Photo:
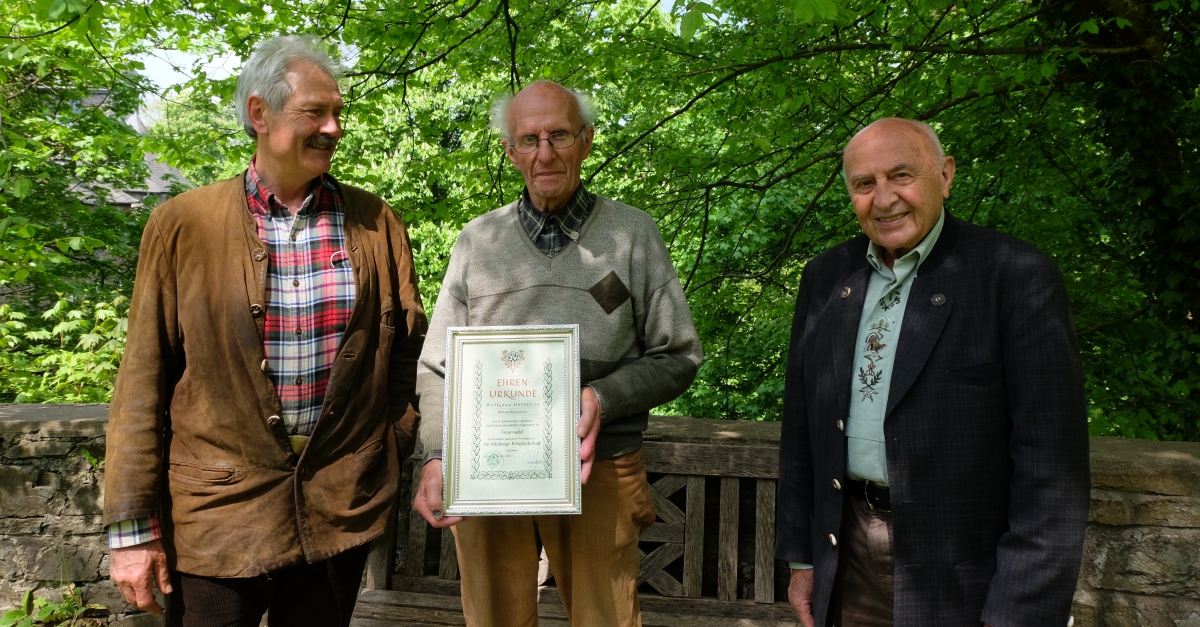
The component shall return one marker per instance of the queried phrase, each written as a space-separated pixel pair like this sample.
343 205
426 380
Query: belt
878 497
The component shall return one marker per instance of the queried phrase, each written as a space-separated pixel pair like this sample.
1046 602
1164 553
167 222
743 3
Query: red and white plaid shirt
310 296
310 293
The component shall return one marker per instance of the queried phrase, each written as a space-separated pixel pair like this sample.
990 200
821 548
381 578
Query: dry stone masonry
1141 563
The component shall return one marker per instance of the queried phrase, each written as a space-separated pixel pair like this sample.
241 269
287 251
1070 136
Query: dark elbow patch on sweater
610 292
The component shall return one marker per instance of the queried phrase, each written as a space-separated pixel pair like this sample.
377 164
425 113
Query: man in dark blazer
934 460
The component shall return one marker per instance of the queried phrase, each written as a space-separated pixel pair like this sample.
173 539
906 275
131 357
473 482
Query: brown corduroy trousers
594 555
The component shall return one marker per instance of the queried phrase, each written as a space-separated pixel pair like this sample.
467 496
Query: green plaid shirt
551 232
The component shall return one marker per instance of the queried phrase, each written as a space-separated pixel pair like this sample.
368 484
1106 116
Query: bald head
916 129
577 105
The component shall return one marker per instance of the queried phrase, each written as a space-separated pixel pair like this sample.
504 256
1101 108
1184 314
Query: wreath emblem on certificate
512 360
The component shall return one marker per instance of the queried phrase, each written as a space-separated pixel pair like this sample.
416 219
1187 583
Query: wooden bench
707 561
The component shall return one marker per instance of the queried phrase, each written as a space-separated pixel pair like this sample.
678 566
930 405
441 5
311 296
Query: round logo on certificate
492 460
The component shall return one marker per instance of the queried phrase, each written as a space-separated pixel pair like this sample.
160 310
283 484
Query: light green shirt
878 332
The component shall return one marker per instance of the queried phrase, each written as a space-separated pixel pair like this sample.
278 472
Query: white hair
583 106
939 155
264 74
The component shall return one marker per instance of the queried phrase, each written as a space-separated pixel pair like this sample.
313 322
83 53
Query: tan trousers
866 571
594 556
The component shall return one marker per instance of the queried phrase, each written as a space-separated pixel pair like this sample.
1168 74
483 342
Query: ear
508 151
947 176
587 141
258 112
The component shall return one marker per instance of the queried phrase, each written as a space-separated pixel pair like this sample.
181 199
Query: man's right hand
428 500
800 590
136 569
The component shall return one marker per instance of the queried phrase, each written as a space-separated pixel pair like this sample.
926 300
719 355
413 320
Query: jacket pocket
204 475
974 579
374 447
981 375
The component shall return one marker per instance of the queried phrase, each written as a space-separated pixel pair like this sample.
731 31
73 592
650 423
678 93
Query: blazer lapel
924 317
929 306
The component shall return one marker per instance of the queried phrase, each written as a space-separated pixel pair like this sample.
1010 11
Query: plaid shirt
551 232
310 296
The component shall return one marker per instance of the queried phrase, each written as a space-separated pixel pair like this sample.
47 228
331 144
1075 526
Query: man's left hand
589 428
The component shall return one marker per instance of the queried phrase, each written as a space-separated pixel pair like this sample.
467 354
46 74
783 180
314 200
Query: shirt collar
264 202
917 255
570 218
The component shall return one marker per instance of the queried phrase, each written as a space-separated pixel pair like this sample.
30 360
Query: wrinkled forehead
310 83
887 146
543 107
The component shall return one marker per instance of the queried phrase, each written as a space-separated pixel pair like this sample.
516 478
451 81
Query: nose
885 194
545 152
331 124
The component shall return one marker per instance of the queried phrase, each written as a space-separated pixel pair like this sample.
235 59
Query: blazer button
256 310
259 254
938 300
841 425
845 292
837 485
832 540
263 366
273 420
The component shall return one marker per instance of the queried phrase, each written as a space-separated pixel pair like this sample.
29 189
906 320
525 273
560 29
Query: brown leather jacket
189 438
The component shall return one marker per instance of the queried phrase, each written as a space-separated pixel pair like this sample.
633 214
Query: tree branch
1112 323
787 243
1063 79
51 32
938 49
703 236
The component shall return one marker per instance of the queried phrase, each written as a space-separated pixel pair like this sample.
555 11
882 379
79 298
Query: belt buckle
867 494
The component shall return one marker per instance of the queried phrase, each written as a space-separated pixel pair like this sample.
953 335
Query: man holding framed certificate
557 259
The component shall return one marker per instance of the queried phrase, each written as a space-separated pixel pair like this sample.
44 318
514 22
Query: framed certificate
512 409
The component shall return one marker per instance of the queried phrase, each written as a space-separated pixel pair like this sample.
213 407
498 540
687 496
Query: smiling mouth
321 142
891 219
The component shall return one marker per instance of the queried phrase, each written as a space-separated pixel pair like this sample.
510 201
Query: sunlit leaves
808 11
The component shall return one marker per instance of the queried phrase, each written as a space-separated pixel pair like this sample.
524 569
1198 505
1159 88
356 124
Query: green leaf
808 11
20 187
691 22
9 618
1089 27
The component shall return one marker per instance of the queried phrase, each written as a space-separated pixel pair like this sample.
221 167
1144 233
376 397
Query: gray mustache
321 142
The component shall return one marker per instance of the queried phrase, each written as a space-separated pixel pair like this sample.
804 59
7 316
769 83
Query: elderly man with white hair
560 254
933 464
266 397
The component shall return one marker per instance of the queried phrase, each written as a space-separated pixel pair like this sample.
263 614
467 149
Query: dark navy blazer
986 430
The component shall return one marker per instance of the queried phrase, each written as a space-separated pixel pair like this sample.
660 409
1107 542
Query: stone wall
50 506
1141 562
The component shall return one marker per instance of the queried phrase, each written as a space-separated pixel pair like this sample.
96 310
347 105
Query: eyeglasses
560 140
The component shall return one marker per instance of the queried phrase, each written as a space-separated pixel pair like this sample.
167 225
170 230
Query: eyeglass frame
512 143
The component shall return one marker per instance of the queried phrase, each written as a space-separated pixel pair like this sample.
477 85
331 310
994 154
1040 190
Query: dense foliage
1075 125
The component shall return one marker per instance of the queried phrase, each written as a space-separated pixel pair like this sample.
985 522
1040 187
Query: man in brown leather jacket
266 396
